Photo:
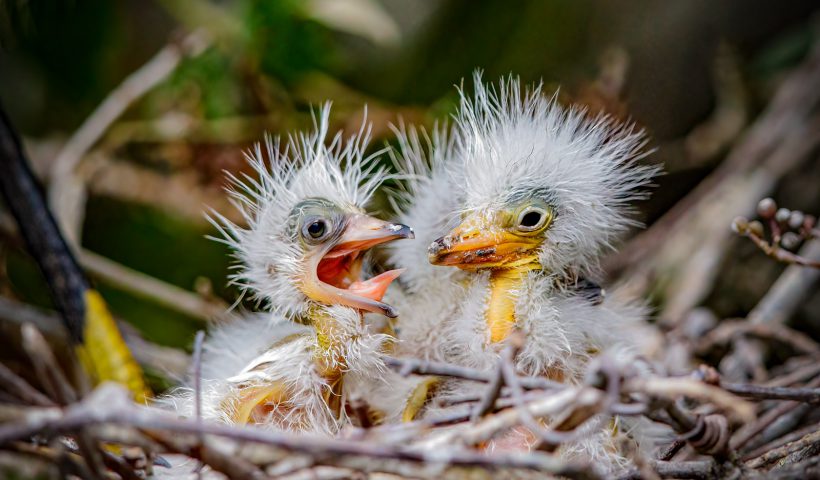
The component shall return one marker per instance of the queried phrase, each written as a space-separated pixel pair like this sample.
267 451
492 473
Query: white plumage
301 257
514 142
524 196
268 258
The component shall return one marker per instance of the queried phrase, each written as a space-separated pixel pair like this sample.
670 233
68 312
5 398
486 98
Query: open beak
336 276
482 242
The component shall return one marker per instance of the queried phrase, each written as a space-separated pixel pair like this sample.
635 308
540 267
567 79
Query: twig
197 367
671 450
21 389
673 387
67 192
490 395
110 405
698 470
779 303
782 255
68 463
807 469
728 330
507 366
150 288
693 235
119 466
787 293
406 366
232 466
144 286
780 452
801 374
743 436
547 406
163 359
757 392
791 437
46 366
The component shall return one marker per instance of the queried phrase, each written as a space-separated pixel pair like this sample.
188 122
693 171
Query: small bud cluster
788 228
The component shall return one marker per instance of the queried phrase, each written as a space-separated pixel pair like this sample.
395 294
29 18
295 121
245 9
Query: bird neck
331 337
505 286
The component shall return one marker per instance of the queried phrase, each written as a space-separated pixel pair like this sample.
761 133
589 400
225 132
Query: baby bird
302 256
531 197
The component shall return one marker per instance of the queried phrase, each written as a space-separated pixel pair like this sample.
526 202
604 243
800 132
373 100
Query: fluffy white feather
306 367
509 144
306 166
514 142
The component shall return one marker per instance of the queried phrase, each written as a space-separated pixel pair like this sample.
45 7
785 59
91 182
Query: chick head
307 230
540 186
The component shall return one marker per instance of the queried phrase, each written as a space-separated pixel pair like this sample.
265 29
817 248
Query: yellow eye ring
533 219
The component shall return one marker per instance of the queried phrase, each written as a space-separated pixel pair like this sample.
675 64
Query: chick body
537 193
293 367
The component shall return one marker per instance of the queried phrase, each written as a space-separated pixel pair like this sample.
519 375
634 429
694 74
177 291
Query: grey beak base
402 231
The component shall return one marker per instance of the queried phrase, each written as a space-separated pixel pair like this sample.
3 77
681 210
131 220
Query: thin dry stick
197 366
730 330
780 452
46 366
782 255
490 395
780 302
67 462
163 359
150 288
406 366
700 470
51 375
757 392
788 292
67 192
743 436
801 374
142 285
21 389
507 364
231 465
779 442
110 405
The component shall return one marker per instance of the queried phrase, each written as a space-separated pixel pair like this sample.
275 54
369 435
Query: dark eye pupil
316 229
530 219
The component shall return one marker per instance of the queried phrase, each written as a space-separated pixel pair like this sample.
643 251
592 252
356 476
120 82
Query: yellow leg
419 398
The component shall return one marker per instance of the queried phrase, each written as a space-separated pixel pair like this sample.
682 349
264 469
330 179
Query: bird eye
315 229
533 219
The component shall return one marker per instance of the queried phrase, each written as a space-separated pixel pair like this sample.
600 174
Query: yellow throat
505 284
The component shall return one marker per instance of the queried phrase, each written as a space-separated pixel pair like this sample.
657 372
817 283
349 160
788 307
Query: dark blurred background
695 74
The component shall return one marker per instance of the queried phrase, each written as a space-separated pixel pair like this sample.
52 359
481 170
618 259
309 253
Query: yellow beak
481 241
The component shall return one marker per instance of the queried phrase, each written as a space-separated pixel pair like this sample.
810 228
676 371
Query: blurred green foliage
284 41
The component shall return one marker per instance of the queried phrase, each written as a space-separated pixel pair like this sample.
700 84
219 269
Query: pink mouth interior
342 269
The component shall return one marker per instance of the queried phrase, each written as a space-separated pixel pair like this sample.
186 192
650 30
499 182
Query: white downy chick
540 193
301 256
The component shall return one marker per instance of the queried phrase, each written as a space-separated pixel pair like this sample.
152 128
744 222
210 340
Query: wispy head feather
308 165
516 143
